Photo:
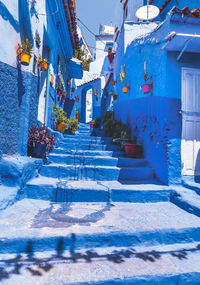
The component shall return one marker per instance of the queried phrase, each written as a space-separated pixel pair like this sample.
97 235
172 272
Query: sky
93 13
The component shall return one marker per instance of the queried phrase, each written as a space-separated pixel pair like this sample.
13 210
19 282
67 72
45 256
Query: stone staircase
93 216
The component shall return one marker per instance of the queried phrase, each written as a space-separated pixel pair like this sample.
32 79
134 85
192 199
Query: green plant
72 124
26 46
59 115
108 115
79 54
97 123
113 128
40 59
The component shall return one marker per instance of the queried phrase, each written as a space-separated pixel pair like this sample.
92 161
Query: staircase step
186 199
89 146
61 150
92 225
98 172
61 190
96 160
90 139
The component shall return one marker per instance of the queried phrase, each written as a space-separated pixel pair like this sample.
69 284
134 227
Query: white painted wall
9 31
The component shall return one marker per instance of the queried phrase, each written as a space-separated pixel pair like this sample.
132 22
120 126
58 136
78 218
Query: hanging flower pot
63 100
77 116
25 49
125 89
59 91
44 65
111 92
25 58
146 88
77 99
113 82
133 150
51 79
95 93
115 97
68 82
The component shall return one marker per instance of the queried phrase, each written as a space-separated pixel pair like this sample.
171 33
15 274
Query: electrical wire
89 29
57 9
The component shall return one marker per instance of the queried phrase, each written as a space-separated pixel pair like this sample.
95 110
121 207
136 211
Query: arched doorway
87 104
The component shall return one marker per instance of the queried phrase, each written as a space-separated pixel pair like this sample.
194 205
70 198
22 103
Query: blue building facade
27 95
157 118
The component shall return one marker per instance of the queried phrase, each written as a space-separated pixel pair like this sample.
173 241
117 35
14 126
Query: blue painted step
62 190
96 172
96 160
76 138
89 146
61 150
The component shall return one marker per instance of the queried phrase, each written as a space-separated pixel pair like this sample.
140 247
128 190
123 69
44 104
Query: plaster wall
155 119
22 88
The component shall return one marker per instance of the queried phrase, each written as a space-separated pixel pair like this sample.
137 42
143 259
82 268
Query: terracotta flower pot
115 97
146 88
125 89
25 58
44 66
133 150
113 82
61 127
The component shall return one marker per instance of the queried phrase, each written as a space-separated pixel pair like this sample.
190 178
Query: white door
190 146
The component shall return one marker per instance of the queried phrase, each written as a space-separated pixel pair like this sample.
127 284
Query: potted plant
77 115
115 97
76 98
125 88
43 62
92 123
60 118
25 51
40 141
146 88
51 79
59 88
73 89
113 82
72 126
132 149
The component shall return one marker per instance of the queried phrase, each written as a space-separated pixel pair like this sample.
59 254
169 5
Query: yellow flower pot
51 79
25 58
61 127
44 66
125 89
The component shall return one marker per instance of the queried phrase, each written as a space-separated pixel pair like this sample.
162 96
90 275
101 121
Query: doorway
190 144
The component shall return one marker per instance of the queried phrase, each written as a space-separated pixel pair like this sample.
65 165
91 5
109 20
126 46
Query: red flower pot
146 88
133 150
91 125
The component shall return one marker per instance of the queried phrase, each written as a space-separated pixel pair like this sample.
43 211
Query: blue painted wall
155 119
26 94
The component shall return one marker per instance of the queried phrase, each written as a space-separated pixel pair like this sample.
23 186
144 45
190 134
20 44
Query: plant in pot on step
125 136
92 123
132 149
72 126
40 141
25 51
60 118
